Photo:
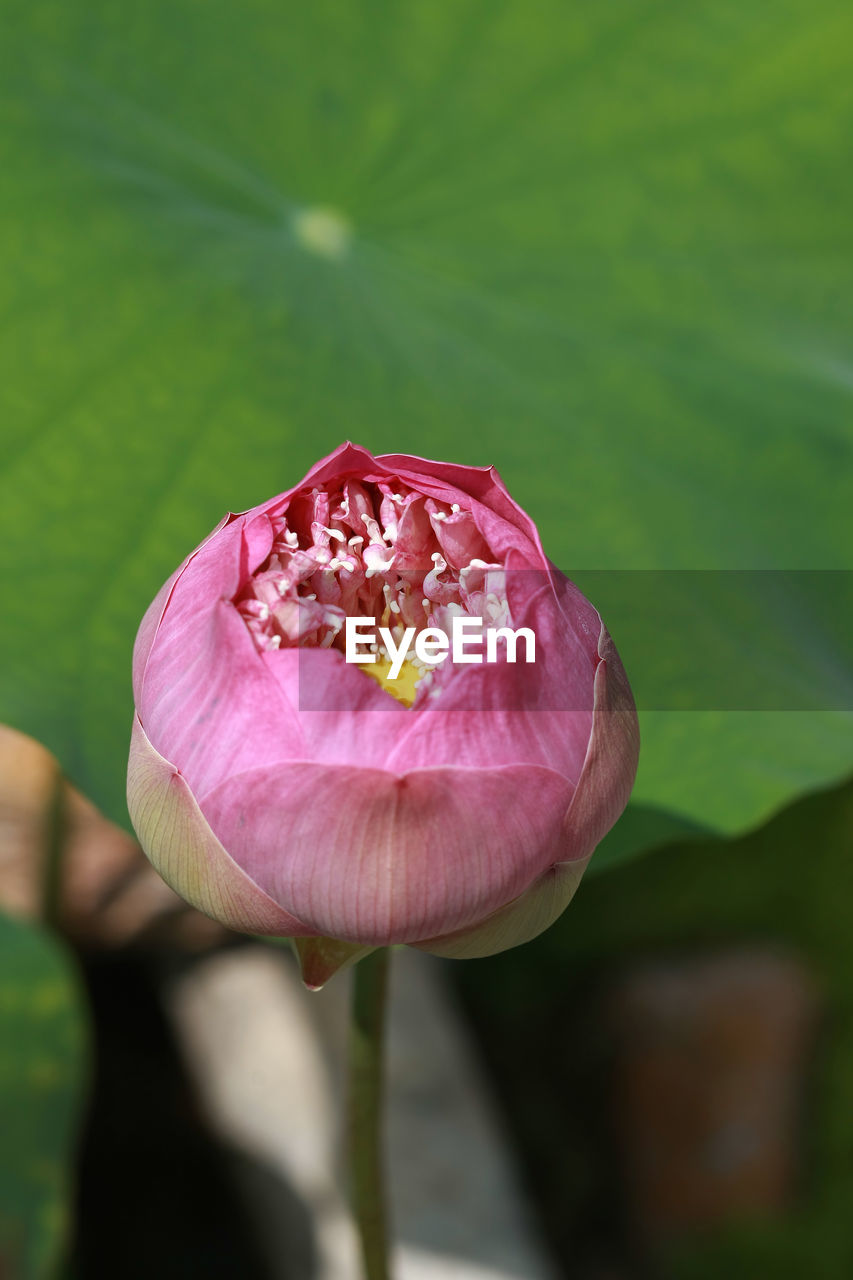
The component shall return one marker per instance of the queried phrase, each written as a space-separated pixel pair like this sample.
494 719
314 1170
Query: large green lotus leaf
42 1069
604 246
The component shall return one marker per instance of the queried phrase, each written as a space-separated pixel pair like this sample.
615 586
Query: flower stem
370 981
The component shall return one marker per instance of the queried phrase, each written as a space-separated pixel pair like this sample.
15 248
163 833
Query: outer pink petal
208 700
538 713
601 795
611 760
377 858
482 734
520 921
150 623
345 717
176 837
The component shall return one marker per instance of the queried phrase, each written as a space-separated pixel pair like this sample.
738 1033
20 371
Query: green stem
370 981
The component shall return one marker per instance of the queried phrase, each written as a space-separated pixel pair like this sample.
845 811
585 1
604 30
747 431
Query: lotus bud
370 711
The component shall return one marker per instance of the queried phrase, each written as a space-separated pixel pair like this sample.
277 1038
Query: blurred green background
606 247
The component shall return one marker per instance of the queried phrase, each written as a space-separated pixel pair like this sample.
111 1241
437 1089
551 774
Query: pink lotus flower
284 790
